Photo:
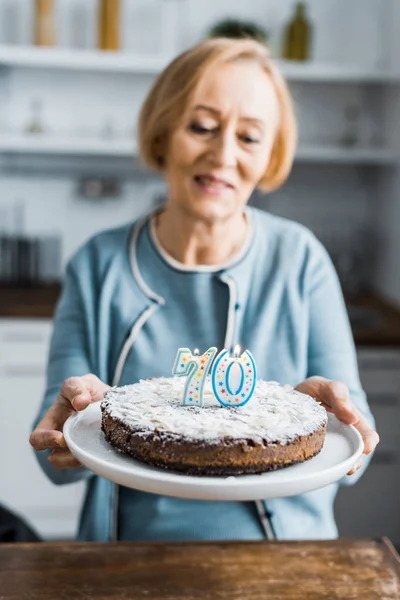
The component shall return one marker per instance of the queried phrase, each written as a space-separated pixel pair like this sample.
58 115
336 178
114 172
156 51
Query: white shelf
126 148
120 62
334 72
72 146
319 153
80 60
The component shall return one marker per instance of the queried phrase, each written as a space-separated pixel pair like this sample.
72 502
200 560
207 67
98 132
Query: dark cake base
222 458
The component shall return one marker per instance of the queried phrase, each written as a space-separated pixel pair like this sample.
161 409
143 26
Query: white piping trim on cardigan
146 314
265 520
137 326
135 267
230 325
175 264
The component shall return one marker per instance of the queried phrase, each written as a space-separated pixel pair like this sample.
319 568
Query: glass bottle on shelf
44 23
35 124
108 129
297 37
351 134
109 25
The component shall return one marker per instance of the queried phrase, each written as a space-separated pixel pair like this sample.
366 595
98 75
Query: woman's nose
225 150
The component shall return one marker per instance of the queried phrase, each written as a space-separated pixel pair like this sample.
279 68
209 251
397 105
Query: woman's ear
159 150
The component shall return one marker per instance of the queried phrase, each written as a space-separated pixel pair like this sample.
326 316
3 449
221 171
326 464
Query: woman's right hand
76 394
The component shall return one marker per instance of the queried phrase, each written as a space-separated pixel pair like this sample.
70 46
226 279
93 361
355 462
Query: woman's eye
197 128
247 139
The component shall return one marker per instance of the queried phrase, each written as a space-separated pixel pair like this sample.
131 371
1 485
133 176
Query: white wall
386 210
344 30
387 276
386 207
329 208
83 104
142 23
53 206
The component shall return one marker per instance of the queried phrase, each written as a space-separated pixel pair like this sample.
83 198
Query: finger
369 435
336 396
43 439
48 433
333 395
357 466
371 440
76 391
63 459
348 413
81 391
56 416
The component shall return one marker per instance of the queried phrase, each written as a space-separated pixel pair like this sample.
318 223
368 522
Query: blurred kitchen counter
28 302
375 322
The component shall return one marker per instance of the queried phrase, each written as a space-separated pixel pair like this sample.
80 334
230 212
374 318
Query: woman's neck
193 242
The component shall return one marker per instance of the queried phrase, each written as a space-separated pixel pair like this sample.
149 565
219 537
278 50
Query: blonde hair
173 88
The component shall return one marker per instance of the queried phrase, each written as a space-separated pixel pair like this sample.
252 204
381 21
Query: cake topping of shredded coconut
274 413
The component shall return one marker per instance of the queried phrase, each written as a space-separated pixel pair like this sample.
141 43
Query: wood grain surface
338 569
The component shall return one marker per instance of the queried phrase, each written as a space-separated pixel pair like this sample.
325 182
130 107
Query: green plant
235 28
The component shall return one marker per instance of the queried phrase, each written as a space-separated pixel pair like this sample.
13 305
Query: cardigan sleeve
331 348
69 356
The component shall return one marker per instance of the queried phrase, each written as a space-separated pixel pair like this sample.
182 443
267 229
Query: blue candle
234 378
196 368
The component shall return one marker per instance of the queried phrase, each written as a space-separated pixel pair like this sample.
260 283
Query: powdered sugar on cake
275 413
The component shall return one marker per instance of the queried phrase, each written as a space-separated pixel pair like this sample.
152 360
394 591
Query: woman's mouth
212 185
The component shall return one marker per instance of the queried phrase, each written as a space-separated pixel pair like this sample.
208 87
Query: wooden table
341 569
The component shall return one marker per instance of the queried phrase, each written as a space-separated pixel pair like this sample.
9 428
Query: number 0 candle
234 378
196 368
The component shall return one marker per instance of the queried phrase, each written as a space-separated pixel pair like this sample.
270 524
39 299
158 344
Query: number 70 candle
196 368
234 378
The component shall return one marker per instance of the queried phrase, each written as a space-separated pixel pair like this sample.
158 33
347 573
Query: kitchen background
70 91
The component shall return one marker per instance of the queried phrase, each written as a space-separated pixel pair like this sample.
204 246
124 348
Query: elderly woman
203 271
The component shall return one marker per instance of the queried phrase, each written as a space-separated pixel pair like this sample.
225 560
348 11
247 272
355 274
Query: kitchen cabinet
51 510
371 506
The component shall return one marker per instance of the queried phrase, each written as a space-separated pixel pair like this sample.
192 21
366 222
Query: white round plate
342 448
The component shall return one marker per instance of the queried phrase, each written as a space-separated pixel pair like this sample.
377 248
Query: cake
277 428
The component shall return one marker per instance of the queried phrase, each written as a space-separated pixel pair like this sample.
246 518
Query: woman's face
220 149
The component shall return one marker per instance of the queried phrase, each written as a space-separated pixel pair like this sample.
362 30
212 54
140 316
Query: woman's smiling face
221 146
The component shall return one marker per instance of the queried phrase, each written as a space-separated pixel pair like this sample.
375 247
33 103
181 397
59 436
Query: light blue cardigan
285 304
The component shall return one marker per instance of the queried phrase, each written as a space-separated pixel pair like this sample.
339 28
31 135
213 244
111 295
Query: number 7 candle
196 368
234 378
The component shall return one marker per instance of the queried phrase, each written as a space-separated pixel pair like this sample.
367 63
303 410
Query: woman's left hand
335 397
